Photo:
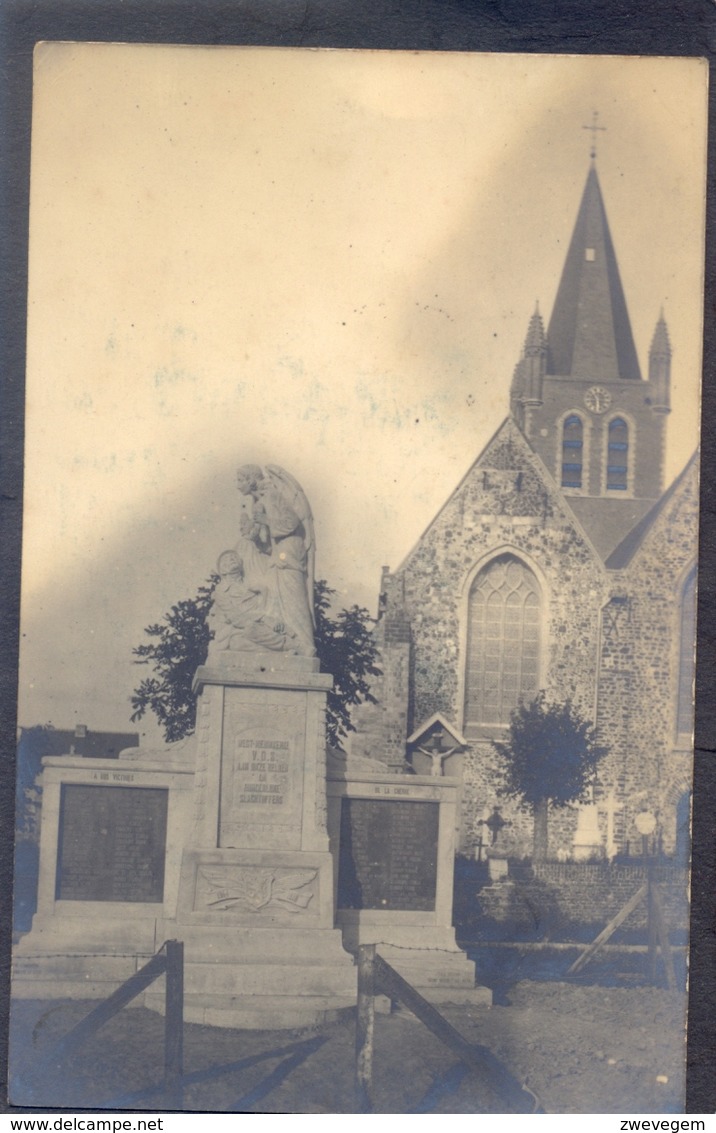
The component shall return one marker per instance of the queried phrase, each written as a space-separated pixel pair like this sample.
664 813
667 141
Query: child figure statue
239 617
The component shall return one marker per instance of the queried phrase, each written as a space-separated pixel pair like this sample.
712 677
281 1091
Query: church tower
559 564
578 393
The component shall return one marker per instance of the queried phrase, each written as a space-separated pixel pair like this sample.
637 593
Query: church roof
589 334
622 555
508 450
609 521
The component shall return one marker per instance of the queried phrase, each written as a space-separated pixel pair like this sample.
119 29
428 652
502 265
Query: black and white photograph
359 578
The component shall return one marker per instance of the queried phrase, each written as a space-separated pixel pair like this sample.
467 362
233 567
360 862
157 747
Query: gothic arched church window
572 449
687 631
617 455
503 632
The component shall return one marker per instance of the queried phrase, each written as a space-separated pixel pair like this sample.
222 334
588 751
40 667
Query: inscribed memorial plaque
261 771
388 854
111 843
262 763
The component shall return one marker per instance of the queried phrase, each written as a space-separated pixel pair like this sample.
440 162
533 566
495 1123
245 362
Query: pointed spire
536 340
589 333
660 345
660 366
530 370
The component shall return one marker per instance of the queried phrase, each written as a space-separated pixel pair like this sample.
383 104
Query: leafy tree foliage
179 646
551 756
33 745
344 643
346 649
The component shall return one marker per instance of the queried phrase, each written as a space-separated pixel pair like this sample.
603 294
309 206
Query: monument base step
71 976
61 934
278 979
427 956
259 1012
457 996
258 945
434 970
442 979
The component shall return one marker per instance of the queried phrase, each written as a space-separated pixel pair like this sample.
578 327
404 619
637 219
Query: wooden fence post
650 918
365 1020
174 1023
662 933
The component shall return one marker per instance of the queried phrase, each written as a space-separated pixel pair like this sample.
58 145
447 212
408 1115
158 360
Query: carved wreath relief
250 889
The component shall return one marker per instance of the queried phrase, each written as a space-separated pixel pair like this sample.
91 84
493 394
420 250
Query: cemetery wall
555 895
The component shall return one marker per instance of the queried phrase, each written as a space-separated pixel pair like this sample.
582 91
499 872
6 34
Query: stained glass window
502 641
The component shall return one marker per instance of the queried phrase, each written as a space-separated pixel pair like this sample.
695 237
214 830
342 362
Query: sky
321 259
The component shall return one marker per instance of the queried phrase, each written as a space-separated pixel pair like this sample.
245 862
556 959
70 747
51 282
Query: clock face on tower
597 399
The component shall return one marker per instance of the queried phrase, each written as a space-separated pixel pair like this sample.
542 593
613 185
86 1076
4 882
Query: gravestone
588 842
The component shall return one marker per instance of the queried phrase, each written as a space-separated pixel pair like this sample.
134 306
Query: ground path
583 1049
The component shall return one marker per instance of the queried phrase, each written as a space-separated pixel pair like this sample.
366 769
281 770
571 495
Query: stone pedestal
393 842
255 908
220 842
110 857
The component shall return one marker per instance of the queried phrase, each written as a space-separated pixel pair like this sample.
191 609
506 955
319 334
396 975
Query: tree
33 745
179 647
347 650
550 757
345 645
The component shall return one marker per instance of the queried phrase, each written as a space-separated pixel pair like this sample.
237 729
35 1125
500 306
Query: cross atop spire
594 129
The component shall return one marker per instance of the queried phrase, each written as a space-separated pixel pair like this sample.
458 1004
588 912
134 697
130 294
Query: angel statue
276 545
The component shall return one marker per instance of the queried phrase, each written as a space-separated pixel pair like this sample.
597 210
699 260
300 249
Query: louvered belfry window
617 455
502 642
572 448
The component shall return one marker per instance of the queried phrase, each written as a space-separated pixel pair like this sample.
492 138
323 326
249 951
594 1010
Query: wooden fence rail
376 976
169 961
657 932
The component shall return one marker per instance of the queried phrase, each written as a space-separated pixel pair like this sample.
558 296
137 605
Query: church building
561 562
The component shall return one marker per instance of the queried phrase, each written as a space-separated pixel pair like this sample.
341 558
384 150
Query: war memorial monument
239 841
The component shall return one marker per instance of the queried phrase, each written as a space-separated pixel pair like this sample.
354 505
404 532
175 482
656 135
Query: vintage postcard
359 581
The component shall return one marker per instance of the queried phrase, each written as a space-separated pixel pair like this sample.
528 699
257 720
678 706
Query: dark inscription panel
388 854
112 843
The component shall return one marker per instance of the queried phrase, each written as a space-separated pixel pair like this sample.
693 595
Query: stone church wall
610 641
503 506
639 672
